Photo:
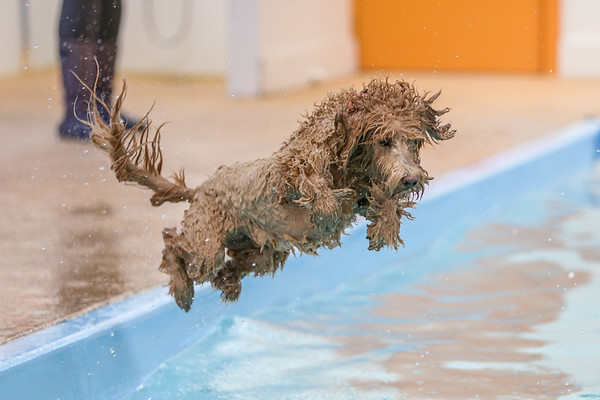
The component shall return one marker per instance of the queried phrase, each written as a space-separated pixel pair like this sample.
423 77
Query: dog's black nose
409 181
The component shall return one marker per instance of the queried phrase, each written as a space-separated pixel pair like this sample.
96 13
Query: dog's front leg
385 215
320 199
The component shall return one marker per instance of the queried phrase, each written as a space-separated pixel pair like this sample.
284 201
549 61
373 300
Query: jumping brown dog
357 153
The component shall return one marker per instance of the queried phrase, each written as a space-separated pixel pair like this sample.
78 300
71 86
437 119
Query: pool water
495 295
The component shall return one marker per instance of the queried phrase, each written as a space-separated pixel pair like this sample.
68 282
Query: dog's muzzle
409 185
409 182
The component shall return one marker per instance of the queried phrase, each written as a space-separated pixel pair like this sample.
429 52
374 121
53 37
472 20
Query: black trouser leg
88 33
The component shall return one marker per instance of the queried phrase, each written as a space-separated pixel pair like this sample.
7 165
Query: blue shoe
73 129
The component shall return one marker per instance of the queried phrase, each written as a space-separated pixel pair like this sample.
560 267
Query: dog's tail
136 159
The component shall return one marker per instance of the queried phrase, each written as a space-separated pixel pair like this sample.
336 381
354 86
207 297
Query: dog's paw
229 282
376 242
330 203
382 232
181 287
325 204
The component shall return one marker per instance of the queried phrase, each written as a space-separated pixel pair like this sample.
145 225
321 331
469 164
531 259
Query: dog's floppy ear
347 139
340 125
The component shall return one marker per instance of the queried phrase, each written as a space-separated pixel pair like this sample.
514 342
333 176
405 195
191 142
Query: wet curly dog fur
356 153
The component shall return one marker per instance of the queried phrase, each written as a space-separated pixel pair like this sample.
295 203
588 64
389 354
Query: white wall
272 45
579 39
42 23
44 33
200 52
277 45
175 37
9 37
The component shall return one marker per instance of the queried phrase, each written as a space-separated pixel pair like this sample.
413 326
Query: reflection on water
465 331
474 332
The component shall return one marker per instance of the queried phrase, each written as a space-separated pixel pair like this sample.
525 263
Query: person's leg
106 54
106 50
78 32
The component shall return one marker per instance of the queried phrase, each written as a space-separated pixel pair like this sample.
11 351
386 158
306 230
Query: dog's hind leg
181 286
245 261
186 266
197 254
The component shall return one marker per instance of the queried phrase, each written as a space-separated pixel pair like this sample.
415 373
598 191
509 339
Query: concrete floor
73 239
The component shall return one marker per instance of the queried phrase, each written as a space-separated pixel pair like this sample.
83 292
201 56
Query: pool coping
109 335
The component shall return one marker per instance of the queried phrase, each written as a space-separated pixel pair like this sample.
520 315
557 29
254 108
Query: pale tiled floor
73 239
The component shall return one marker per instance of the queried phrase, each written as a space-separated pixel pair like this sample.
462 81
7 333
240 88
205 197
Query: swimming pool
494 295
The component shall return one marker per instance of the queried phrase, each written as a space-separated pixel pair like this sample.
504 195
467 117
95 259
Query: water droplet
571 275
35 46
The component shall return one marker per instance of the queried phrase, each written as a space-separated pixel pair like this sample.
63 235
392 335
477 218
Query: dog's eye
385 142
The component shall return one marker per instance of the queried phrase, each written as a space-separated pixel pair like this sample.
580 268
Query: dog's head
358 153
386 125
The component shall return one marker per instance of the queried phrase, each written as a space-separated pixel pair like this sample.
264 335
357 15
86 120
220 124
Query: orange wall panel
516 35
